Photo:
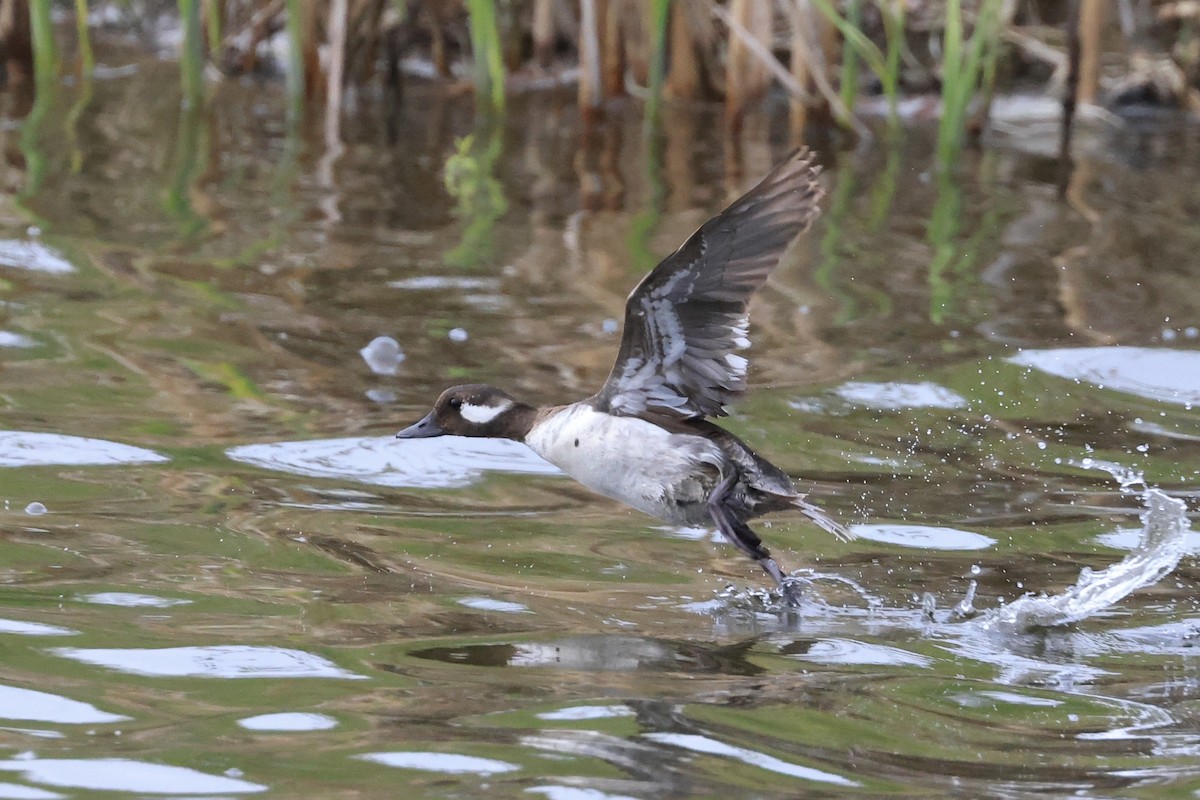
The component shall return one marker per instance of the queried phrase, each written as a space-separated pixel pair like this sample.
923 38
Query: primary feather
687 317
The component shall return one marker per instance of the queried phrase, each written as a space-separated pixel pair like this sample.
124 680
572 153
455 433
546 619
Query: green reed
886 66
967 62
212 24
296 32
87 61
850 60
45 72
191 57
87 65
660 18
488 54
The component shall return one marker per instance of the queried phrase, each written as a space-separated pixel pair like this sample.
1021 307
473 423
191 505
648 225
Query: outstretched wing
686 319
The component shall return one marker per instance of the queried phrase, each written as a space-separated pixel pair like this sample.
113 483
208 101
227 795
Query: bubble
458 335
35 509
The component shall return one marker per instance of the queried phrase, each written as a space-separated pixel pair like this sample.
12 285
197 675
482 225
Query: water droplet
1041 445
383 355
35 509
976 569
458 335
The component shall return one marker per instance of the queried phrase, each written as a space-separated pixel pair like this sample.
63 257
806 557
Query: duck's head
473 410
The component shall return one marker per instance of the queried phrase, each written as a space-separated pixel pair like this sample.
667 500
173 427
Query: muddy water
221 576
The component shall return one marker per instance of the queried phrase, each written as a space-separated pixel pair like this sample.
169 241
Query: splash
1163 542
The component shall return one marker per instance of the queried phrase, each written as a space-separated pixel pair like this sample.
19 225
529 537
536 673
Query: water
234 582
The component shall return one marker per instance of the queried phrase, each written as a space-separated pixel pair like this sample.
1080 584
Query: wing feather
687 317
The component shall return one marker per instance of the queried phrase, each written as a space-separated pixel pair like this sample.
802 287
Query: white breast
625 458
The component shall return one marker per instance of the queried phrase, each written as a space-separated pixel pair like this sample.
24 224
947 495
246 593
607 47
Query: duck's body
643 438
667 474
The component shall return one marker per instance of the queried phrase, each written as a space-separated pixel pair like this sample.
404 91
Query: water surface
222 577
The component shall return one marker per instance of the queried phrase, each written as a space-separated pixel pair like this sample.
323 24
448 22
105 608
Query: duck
647 438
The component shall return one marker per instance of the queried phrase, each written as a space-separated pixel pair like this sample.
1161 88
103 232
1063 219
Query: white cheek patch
481 415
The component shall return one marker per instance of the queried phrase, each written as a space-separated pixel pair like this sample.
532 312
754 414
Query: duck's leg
741 536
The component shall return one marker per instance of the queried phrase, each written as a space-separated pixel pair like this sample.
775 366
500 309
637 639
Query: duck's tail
823 520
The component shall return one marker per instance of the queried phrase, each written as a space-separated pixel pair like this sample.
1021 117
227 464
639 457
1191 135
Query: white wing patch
481 415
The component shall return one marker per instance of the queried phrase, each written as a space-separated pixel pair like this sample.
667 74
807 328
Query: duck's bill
424 429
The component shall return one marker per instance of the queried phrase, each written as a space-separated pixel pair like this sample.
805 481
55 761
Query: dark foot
735 529
789 590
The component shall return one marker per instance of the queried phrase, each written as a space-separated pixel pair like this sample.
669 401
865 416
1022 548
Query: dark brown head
473 410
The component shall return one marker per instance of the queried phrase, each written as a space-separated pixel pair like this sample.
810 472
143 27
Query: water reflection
449 763
30 254
287 722
34 706
33 628
564 650
227 661
12 791
891 396
444 463
1172 376
132 600
125 775
923 536
26 449
708 746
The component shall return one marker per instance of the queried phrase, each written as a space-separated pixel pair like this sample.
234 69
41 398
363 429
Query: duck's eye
456 402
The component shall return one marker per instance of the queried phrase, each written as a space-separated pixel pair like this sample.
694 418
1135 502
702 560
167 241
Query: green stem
489 61
87 65
213 21
45 71
191 60
850 56
87 61
295 69
659 20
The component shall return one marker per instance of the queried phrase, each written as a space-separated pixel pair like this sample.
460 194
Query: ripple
16 340
15 791
132 600
849 651
34 706
26 449
125 775
488 604
442 463
894 395
293 721
448 763
579 713
1172 376
573 793
22 628
703 744
1130 539
35 256
923 536
228 661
